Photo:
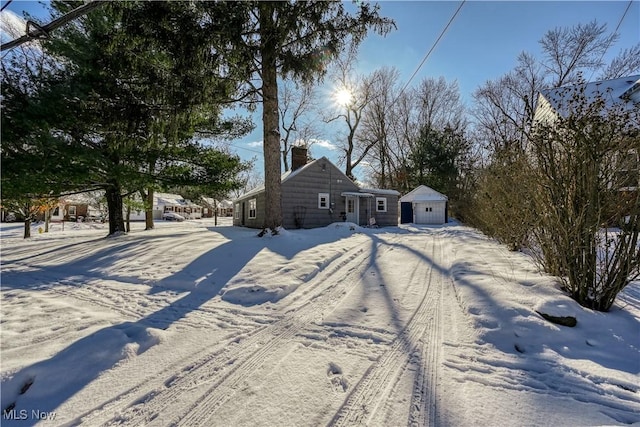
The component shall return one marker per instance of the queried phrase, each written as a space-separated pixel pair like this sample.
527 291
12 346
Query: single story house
316 194
76 207
165 202
424 205
213 207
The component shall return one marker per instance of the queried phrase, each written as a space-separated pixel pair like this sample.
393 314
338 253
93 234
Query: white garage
424 205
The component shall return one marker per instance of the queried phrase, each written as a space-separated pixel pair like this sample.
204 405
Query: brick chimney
298 157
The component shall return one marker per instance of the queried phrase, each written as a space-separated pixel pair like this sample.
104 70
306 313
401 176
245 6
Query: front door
353 209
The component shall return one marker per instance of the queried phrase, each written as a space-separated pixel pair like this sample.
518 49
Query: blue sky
481 44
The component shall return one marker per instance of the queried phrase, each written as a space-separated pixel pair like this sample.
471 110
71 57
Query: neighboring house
622 93
424 205
76 207
217 207
316 194
165 202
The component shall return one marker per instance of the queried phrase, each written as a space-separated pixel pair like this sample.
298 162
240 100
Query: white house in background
424 205
223 207
623 92
166 202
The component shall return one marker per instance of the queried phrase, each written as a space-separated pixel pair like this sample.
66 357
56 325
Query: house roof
381 191
288 175
171 199
225 204
623 91
423 193
80 199
356 194
365 192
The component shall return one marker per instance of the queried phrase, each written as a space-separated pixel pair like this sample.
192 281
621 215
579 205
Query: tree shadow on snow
45 385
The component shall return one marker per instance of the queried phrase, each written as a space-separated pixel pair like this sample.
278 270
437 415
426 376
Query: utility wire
5 5
430 50
614 32
35 31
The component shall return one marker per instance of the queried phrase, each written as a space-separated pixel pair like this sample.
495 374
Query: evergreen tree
287 39
131 85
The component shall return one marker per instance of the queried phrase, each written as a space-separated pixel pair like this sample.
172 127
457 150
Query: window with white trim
72 211
237 210
252 209
323 200
381 204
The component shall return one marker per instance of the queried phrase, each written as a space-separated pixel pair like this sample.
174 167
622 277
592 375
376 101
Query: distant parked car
172 216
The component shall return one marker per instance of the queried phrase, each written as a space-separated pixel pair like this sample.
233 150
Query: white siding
432 212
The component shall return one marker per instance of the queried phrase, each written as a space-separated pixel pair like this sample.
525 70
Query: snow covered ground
195 325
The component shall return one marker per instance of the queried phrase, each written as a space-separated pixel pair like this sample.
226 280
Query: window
56 211
627 175
72 211
428 209
237 210
323 200
252 209
381 204
351 206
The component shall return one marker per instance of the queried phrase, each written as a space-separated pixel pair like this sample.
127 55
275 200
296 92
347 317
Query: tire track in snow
201 412
423 408
365 403
141 403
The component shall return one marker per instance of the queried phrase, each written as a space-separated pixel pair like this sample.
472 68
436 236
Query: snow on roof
80 199
356 194
172 199
620 91
381 191
422 193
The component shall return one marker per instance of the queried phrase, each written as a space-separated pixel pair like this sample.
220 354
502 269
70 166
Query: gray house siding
300 195
300 200
383 219
242 218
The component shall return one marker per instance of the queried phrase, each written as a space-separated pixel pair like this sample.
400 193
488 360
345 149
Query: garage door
429 212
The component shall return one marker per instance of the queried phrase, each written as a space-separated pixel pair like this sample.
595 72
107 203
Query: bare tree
569 50
439 104
296 103
625 64
357 93
377 122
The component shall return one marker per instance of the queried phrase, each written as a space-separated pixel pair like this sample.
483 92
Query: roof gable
291 174
623 91
423 193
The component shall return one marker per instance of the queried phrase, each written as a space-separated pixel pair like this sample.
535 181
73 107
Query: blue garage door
406 213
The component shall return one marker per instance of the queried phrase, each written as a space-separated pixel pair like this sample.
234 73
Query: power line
35 31
614 32
5 5
430 50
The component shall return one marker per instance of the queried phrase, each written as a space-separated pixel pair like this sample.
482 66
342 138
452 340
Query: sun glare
343 97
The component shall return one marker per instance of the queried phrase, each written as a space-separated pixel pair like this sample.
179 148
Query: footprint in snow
338 381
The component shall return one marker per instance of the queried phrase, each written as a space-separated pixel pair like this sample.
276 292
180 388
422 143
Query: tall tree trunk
27 228
270 118
114 206
27 220
148 210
